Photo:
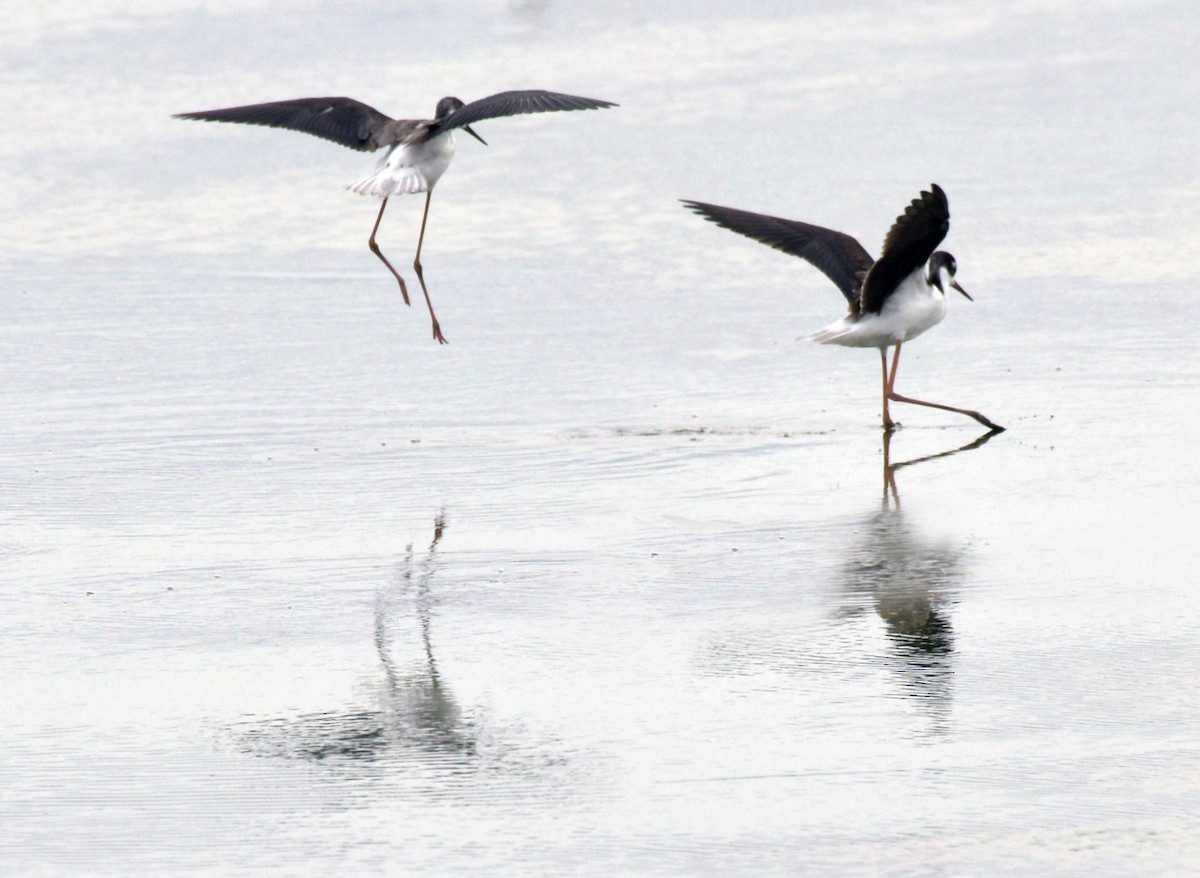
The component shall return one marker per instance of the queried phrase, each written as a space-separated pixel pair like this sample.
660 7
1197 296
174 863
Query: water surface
624 580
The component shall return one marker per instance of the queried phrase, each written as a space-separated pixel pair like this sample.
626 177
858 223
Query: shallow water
619 581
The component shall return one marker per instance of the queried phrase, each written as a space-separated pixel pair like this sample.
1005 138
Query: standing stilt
892 300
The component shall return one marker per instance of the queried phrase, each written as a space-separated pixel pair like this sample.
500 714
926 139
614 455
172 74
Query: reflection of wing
838 255
342 120
514 103
908 245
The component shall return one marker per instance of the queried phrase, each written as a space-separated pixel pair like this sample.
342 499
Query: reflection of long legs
421 599
891 394
889 473
439 525
375 249
437 330
383 640
889 468
423 602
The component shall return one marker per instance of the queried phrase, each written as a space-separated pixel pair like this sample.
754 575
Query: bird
892 300
418 151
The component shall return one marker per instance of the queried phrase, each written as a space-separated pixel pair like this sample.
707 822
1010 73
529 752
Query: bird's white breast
911 309
914 307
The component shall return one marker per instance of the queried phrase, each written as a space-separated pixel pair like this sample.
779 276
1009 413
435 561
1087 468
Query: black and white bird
892 299
418 150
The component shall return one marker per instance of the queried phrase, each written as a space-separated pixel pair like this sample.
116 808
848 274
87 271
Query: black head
940 262
446 108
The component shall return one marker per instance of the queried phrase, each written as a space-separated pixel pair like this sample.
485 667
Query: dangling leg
375 249
888 424
891 392
437 330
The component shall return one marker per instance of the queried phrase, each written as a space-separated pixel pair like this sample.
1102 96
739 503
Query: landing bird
418 150
892 299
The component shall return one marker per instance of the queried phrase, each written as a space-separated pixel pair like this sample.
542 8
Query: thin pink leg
887 418
375 249
891 392
437 330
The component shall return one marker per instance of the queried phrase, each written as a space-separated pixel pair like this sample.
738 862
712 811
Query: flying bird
418 151
892 299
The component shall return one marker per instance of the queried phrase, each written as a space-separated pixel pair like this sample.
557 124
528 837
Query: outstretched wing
839 256
514 103
908 245
342 120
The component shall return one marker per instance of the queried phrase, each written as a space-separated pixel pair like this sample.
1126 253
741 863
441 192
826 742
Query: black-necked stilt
892 299
418 150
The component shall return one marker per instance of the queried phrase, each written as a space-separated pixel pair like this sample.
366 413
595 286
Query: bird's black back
908 245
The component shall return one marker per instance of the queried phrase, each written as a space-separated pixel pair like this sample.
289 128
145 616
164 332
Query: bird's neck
936 279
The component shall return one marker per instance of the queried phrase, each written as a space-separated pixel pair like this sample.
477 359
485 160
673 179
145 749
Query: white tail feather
388 181
408 168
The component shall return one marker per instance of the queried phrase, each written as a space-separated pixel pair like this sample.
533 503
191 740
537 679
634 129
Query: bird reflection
417 717
910 583
418 706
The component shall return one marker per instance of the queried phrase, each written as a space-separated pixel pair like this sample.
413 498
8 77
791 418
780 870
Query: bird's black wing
342 120
908 245
514 103
842 259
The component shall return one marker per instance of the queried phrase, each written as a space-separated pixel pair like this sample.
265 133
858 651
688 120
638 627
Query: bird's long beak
954 284
467 128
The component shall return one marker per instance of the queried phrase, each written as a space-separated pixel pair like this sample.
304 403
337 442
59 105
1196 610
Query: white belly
409 168
913 308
